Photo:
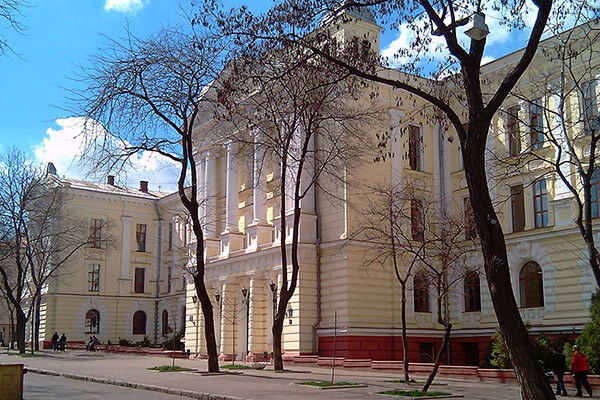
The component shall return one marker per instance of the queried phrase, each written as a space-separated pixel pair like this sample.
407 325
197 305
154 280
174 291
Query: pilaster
124 279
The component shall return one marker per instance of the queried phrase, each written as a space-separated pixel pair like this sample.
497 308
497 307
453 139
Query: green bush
499 357
168 344
589 340
145 342
124 342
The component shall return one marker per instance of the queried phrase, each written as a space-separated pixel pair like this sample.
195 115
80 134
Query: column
231 239
200 181
308 173
230 310
209 170
259 232
156 256
124 279
257 336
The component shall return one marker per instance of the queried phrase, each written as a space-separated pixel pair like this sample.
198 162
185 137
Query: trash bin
11 381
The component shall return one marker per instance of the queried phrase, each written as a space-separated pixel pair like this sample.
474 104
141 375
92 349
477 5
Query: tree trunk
11 334
21 321
404 338
277 334
594 256
209 324
527 368
438 358
36 330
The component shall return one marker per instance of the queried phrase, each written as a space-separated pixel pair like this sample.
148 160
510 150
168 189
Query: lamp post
218 299
246 295
273 287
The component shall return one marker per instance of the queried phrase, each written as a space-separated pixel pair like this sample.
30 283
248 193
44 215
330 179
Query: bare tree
10 11
300 111
290 22
38 237
424 242
146 95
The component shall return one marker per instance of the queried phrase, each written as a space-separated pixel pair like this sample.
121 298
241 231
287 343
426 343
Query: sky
58 38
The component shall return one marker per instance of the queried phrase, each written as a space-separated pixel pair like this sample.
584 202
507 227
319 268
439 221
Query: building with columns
129 282
551 279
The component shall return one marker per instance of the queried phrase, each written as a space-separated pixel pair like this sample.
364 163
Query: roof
110 189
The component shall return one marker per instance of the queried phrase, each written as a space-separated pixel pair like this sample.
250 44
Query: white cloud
124 6
64 146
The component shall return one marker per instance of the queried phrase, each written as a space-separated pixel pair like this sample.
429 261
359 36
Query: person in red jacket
579 368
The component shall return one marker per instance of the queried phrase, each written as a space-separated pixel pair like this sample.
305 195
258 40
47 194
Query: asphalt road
43 387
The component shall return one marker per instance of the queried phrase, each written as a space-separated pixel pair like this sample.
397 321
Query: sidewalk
250 384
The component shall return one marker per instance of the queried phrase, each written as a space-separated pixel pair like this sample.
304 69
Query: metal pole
248 324
334 343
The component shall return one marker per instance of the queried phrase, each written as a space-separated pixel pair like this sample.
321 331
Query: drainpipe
158 268
443 205
318 261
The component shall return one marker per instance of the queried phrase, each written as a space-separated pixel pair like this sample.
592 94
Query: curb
142 386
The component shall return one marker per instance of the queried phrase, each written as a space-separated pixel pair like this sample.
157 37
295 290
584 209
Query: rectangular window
140 280
414 147
594 193
417 219
427 352
517 204
540 204
590 108
536 119
94 278
169 277
183 282
96 233
170 242
512 126
140 237
470 224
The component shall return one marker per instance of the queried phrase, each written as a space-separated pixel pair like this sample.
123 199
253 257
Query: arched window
165 323
531 285
92 322
472 292
139 323
421 292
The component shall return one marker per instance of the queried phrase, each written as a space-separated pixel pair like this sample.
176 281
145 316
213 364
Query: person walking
558 364
579 368
54 341
62 342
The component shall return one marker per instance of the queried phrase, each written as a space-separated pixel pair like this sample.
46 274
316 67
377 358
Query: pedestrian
558 364
54 341
579 368
63 342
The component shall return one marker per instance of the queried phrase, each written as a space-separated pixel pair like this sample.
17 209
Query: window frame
170 237
165 329
95 233
137 319
415 158
595 193
512 128
530 283
470 223
536 124
517 199
421 293
472 291
89 327
140 237
589 103
94 277
417 220
540 195
169 278
139 282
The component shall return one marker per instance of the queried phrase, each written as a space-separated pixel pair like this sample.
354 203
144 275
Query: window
540 204
92 322
421 292
140 280
183 282
94 278
472 292
96 233
590 108
512 126
470 224
169 277
427 352
140 237
139 323
417 219
517 204
165 323
595 192
536 119
414 147
170 242
531 285
471 352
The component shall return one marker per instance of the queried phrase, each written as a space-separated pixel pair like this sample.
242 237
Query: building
551 279
129 282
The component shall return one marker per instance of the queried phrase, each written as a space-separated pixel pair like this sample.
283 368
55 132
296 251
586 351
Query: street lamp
217 297
479 30
195 299
246 296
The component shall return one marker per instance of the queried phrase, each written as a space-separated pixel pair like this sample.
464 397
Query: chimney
110 180
50 169
144 186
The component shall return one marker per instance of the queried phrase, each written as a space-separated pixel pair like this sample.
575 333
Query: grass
169 368
327 384
235 366
413 393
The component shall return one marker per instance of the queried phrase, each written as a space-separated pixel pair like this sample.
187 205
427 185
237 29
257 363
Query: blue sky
59 36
